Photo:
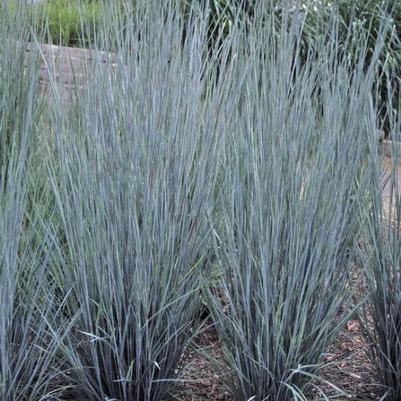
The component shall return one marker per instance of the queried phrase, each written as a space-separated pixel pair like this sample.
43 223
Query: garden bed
349 369
229 183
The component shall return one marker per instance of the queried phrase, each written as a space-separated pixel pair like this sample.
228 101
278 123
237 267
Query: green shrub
69 22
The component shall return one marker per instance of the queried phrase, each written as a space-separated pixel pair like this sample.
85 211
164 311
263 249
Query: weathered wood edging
66 67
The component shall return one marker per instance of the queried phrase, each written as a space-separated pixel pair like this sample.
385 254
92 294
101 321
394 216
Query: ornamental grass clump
382 260
27 348
295 156
133 175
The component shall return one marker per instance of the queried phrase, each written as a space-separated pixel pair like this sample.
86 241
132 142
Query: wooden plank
76 53
66 67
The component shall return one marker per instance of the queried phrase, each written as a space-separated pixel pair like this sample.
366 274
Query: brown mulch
348 368
203 364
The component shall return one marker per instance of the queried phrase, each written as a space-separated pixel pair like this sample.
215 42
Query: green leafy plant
69 22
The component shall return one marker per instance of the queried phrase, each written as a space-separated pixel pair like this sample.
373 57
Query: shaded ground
203 376
349 369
